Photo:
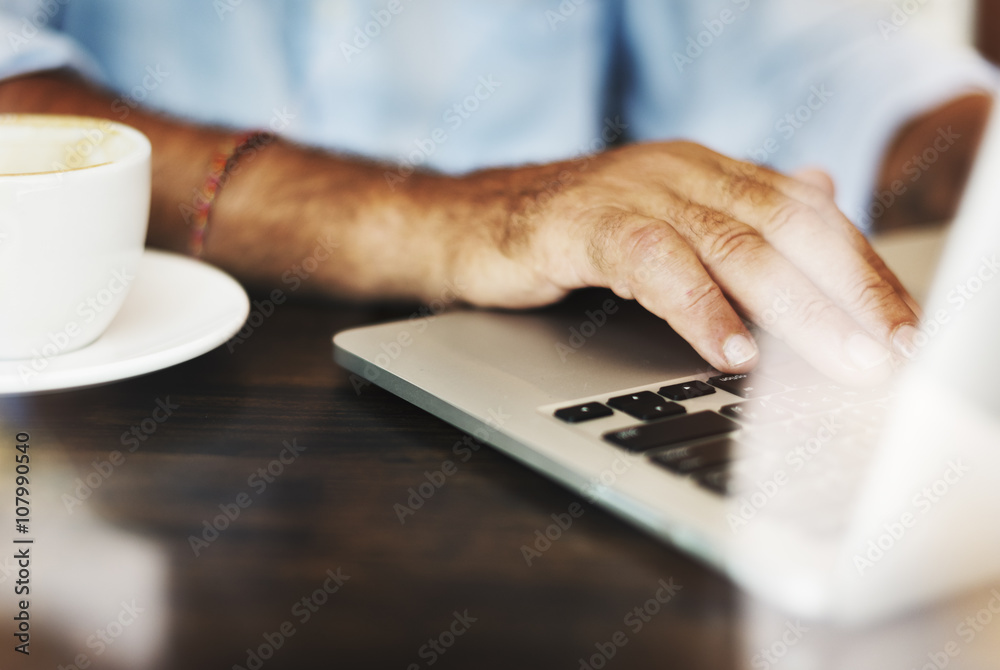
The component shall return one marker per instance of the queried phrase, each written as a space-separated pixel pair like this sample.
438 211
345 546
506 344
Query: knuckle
703 298
870 293
646 251
747 181
731 241
704 221
744 187
789 213
644 239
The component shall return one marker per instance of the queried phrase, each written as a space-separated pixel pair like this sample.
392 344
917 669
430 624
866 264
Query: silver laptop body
840 504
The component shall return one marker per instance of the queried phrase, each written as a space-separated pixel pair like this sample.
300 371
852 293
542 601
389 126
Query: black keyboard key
671 431
585 412
756 412
646 405
685 460
746 386
686 390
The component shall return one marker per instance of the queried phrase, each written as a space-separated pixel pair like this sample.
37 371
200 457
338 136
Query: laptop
832 503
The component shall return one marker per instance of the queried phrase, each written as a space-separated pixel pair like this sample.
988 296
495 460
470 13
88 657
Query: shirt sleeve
789 83
30 42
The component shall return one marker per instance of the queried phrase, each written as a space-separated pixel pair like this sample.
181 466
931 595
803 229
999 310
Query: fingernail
865 352
739 349
904 341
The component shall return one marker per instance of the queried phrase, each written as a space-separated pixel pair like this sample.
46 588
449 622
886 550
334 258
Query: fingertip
865 353
865 362
740 352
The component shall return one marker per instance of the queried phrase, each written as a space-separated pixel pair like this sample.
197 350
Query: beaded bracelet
221 167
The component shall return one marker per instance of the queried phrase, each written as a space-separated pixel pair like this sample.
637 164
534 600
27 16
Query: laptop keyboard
805 445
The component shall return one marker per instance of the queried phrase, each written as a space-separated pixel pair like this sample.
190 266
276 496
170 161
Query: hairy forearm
697 238
927 163
282 201
286 200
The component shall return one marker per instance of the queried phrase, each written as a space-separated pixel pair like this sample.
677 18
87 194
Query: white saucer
178 308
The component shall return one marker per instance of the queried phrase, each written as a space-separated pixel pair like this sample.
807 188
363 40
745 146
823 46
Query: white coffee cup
74 206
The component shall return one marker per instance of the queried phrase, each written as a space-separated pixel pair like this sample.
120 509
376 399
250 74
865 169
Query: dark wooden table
329 508
170 534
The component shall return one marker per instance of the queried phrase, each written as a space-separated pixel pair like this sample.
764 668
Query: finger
833 264
646 259
817 178
773 292
824 254
861 244
839 222
813 194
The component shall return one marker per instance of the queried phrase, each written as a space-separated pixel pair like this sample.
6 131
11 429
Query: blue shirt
457 86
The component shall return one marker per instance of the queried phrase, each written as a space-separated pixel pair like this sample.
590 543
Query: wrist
494 224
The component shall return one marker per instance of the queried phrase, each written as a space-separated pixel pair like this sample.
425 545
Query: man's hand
698 239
